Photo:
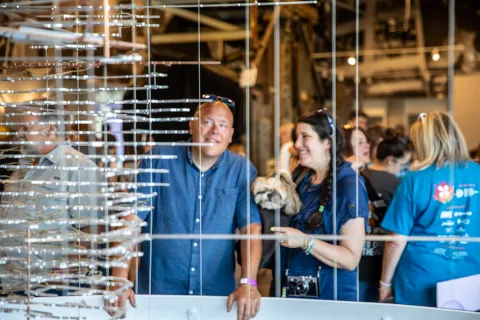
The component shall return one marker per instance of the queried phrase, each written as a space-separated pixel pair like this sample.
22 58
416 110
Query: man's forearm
121 272
251 258
130 271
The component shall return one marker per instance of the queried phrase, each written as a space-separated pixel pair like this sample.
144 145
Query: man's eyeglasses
229 102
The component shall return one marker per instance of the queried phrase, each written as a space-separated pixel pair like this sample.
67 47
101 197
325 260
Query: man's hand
248 301
121 302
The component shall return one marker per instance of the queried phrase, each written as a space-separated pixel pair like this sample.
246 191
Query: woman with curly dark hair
335 202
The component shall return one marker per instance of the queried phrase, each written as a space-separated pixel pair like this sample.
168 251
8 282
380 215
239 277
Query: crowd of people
352 181
440 185
373 196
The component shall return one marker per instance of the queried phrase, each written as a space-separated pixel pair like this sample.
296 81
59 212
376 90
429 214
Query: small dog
273 194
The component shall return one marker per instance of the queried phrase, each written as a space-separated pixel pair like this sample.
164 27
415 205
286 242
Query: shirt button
195 244
197 220
193 269
190 292
200 197
203 174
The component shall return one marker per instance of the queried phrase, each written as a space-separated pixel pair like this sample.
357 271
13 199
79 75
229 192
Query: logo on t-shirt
444 192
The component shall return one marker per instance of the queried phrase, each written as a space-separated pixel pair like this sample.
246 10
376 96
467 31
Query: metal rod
48 35
323 55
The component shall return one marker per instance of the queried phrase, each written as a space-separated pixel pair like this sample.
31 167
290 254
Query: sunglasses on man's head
229 102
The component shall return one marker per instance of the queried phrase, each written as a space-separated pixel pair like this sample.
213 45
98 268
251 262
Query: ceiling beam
203 19
305 11
313 64
302 10
459 48
190 37
350 27
391 87
346 6
165 20
369 69
266 36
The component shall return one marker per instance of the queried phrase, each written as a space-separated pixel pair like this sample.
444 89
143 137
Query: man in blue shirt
208 193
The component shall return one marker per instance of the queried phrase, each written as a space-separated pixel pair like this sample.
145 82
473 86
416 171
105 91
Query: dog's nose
270 196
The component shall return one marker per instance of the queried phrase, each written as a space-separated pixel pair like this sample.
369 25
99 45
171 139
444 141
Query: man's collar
190 157
56 154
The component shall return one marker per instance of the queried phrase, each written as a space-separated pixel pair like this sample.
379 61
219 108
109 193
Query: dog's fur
273 194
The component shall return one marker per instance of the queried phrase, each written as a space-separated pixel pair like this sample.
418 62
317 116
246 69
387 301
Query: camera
303 286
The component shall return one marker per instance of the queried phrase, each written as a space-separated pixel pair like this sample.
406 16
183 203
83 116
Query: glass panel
191 157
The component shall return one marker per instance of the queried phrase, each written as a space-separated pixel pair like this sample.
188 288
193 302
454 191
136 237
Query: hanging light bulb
435 55
352 61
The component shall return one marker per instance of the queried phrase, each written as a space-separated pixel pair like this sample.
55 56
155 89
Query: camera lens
302 287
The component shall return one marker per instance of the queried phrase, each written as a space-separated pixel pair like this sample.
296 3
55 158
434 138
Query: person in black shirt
381 182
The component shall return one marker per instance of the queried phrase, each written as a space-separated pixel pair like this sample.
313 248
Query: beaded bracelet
311 241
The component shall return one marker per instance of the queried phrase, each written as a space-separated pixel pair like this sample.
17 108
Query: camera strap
287 261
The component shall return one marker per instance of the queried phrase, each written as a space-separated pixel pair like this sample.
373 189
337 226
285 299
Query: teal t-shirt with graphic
436 202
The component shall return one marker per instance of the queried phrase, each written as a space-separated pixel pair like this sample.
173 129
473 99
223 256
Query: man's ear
190 125
52 130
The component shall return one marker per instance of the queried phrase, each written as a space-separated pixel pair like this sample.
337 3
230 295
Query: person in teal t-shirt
439 198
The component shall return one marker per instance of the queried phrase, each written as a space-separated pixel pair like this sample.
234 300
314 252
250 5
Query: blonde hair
438 141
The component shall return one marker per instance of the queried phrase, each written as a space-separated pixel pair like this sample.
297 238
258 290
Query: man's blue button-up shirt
214 202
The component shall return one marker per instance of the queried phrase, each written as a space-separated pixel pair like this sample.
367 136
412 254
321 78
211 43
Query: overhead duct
392 87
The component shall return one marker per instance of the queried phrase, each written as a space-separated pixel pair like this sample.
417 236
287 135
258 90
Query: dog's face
269 193
272 194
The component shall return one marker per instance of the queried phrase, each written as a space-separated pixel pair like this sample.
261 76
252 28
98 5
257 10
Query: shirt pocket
225 202
54 198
